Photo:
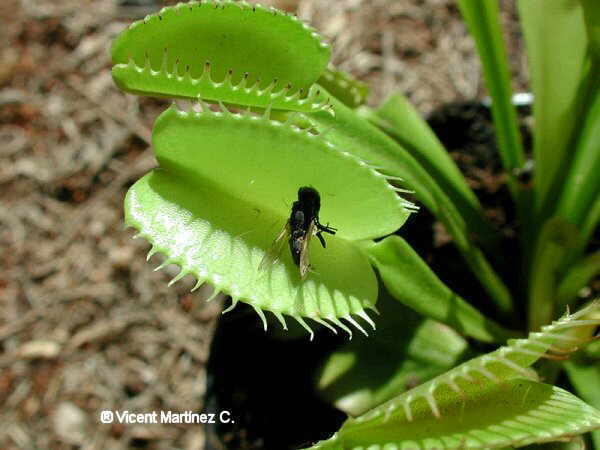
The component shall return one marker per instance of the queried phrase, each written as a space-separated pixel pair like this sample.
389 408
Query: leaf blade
482 20
409 279
556 41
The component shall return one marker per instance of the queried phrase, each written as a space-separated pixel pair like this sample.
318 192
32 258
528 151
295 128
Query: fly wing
274 250
304 253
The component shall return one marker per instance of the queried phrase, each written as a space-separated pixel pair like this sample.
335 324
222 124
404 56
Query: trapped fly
299 229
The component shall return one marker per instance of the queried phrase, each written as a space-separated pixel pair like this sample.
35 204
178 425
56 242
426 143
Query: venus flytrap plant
226 181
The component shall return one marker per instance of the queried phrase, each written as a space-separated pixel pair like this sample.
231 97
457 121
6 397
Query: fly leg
323 229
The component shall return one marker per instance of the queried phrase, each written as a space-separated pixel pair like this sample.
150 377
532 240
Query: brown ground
85 323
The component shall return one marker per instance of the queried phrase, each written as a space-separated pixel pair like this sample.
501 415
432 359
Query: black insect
299 229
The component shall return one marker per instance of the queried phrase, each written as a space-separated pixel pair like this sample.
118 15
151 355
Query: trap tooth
228 75
393 178
340 324
407 410
164 264
507 362
151 253
177 277
199 282
350 319
281 319
216 291
234 302
362 313
452 384
411 207
267 113
202 106
403 191
486 373
301 321
325 324
432 404
261 314
242 85
464 372
206 76
388 413
224 109
271 87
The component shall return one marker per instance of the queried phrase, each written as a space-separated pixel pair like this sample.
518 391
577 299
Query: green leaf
576 278
366 372
224 191
589 226
556 240
409 279
222 51
592 22
355 134
556 41
482 20
582 184
488 402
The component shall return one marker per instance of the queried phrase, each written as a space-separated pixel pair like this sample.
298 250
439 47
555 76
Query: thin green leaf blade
592 23
482 20
582 183
556 41
578 276
557 238
408 278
